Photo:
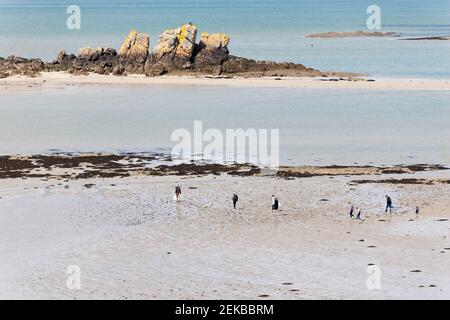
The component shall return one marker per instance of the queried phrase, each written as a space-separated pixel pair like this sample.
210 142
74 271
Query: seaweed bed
74 166
403 181
100 165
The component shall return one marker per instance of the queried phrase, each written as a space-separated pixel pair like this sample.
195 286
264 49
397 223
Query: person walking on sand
388 204
358 216
352 209
235 200
275 204
177 192
417 210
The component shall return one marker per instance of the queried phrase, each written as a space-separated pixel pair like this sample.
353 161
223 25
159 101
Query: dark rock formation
153 68
249 67
20 66
63 58
177 53
440 38
98 60
212 52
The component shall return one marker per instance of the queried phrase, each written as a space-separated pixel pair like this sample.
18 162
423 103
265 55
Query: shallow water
317 126
260 29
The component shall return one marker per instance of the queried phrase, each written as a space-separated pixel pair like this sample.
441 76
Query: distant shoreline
375 34
353 34
48 80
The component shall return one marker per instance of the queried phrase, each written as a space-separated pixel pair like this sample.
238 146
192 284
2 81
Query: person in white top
275 204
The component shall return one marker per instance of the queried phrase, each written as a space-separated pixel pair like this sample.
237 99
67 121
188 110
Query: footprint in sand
263 296
416 271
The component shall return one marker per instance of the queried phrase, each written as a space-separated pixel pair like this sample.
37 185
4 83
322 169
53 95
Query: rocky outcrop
133 53
20 66
63 58
176 46
98 60
212 51
130 59
176 53
90 54
248 67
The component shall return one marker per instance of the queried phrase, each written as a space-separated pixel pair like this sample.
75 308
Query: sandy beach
120 226
132 241
63 79
310 141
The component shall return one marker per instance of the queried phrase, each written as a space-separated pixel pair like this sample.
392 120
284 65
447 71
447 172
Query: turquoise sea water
261 29
317 127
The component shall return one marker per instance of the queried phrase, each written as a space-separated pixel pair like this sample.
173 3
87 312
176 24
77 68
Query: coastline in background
266 30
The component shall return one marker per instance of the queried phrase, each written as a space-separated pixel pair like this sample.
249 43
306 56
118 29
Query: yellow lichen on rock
187 31
179 41
217 40
136 44
186 39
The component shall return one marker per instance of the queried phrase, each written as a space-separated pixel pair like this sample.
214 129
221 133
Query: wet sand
132 241
61 79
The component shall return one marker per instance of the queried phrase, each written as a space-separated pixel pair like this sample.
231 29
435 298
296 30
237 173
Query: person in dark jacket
388 204
352 209
235 200
177 192
358 216
275 204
